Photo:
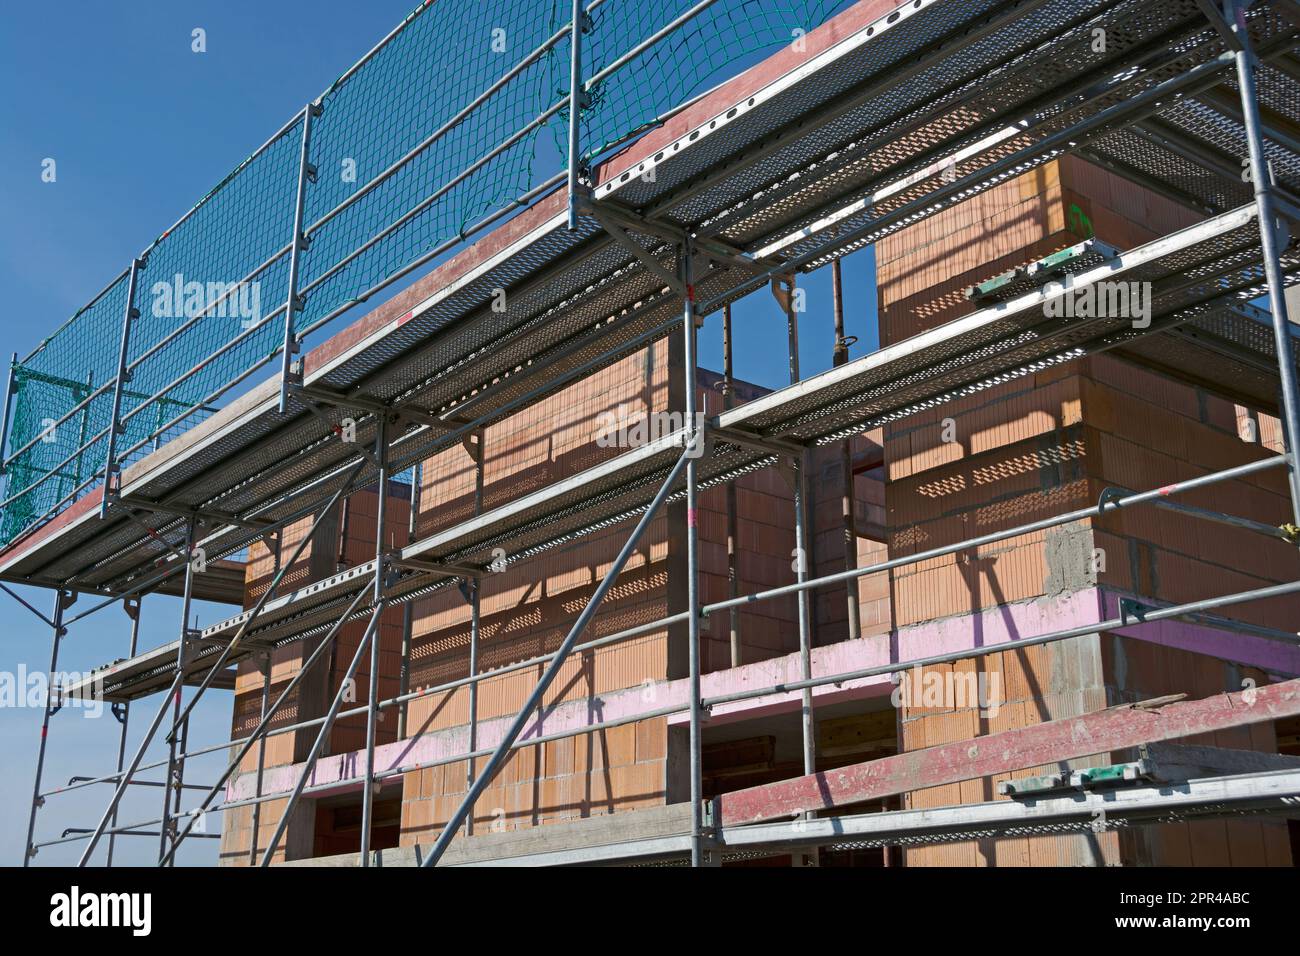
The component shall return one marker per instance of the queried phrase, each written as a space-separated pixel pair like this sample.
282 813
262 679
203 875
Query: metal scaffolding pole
475 634
5 416
561 654
733 578
799 489
408 607
372 694
62 599
178 722
298 244
115 426
1261 178
261 762
319 744
694 437
848 500
577 101
132 610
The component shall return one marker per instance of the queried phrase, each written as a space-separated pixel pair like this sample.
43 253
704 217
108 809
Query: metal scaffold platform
889 115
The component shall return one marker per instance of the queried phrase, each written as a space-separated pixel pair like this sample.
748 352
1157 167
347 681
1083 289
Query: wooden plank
1191 761
1099 732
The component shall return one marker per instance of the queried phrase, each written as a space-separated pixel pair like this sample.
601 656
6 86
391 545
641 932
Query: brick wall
527 609
1051 442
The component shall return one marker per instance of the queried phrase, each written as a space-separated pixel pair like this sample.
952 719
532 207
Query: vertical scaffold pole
577 100
733 579
9 400
1261 177
408 609
372 696
261 758
801 549
132 610
693 450
848 498
10 390
115 426
293 302
268 670
62 599
171 780
475 630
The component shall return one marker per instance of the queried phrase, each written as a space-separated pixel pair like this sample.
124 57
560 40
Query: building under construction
515 582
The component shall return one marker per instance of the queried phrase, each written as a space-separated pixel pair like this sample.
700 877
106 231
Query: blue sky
140 128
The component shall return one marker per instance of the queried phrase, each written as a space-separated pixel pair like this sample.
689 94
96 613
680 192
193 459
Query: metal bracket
709 817
201 517
118 709
368 404
361 447
784 296
652 264
1134 609
712 247
840 351
1108 495
435 567
736 436
467 587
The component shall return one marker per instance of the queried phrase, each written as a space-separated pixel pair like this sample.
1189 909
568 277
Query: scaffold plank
1096 733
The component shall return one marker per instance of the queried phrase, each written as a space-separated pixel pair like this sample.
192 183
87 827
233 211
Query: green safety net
442 125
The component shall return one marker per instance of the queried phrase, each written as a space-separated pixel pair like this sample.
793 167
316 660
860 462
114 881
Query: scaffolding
832 144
